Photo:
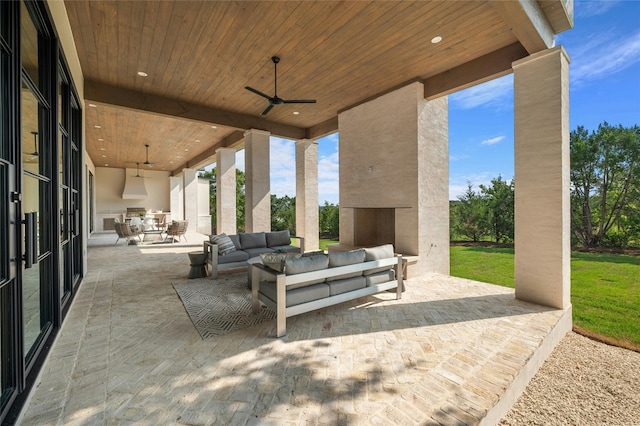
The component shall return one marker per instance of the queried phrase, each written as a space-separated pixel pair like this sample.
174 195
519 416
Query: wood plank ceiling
199 56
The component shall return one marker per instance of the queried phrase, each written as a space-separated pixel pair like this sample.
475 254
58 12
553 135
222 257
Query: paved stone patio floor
451 351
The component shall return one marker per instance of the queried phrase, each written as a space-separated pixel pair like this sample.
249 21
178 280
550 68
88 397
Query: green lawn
605 288
324 243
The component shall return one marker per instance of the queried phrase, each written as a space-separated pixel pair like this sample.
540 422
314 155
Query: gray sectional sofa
246 246
296 285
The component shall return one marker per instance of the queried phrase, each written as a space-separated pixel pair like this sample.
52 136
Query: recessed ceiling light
104 156
296 113
98 127
171 162
186 149
106 165
436 39
92 105
100 139
178 156
214 127
198 140
102 149
142 74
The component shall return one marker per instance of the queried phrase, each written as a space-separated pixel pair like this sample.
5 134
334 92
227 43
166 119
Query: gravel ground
582 383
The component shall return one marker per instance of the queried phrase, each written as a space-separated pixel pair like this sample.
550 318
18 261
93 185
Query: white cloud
600 57
458 184
492 141
497 93
588 8
282 153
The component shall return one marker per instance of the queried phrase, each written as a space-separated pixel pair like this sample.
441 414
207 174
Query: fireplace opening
374 226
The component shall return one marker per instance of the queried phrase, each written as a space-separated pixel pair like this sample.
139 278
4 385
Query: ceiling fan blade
257 92
299 101
267 110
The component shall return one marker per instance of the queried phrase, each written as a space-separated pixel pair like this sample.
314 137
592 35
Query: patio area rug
220 306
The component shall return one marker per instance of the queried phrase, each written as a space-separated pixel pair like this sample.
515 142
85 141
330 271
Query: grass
324 243
605 288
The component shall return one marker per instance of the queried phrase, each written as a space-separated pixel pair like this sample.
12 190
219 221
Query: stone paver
128 353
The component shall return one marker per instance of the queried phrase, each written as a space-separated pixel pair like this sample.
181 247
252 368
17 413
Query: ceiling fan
138 171
146 162
275 100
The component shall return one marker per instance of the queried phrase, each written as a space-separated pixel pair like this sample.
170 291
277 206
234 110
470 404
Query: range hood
134 188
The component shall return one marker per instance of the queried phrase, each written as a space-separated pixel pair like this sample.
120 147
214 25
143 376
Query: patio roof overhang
199 56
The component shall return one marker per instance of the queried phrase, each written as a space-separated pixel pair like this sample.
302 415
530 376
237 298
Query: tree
329 220
283 214
605 181
470 215
499 209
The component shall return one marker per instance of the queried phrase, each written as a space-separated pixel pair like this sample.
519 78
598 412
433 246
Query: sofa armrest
300 242
211 250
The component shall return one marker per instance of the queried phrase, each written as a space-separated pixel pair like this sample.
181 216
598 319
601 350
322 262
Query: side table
198 263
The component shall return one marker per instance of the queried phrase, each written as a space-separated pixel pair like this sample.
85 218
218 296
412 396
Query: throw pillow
276 261
225 245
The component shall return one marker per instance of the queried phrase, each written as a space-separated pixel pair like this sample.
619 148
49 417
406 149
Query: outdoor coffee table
251 262
152 232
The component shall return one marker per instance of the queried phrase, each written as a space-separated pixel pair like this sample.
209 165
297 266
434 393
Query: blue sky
604 47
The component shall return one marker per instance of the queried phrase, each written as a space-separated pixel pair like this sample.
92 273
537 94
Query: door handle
30 239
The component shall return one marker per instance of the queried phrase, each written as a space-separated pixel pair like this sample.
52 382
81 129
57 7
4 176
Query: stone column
190 197
307 224
257 181
226 191
176 198
542 209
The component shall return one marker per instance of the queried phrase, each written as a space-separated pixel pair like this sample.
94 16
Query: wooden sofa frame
283 281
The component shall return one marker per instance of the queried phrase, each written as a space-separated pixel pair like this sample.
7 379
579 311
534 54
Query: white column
226 191
257 181
542 209
190 183
307 225
176 198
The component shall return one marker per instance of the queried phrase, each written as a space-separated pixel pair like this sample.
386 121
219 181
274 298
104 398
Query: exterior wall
542 205
307 212
109 183
394 154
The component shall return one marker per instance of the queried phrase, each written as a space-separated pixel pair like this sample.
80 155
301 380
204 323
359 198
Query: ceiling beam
488 67
527 22
154 104
323 129
234 140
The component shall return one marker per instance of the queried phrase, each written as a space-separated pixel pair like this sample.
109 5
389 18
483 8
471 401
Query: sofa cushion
377 253
236 256
275 261
344 259
301 265
380 277
296 296
236 241
278 238
225 245
253 252
286 249
345 285
253 240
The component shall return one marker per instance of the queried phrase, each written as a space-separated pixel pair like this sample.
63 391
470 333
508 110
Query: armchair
178 229
125 231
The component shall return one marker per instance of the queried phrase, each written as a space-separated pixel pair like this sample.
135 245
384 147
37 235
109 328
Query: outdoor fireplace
374 226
